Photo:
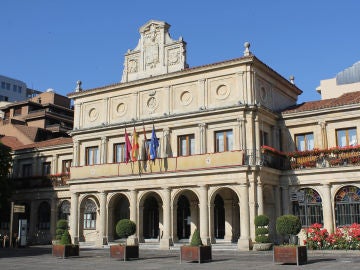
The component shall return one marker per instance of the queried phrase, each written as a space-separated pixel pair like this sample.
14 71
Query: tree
6 185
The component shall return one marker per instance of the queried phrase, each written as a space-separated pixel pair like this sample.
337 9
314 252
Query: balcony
161 165
49 181
324 158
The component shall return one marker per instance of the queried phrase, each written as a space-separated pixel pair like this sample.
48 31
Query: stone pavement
39 257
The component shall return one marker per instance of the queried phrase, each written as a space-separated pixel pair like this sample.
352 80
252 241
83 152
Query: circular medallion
152 103
121 108
186 98
93 114
222 92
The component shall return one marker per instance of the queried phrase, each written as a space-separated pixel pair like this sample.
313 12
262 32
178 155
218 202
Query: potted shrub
61 226
65 249
196 251
262 240
289 225
125 228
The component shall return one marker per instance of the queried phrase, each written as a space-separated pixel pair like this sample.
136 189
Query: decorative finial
78 86
247 49
292 79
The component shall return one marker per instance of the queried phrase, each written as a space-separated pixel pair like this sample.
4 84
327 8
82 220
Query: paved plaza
39 257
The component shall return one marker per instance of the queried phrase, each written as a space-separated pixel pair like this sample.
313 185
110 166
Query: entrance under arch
151 218
224 216
219 217
119 209
183 218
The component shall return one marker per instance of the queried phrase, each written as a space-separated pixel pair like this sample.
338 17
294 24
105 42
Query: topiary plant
125 228
195 239
61 226
288 225
261 230
65 238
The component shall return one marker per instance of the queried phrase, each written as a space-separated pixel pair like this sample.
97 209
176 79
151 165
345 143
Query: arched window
64 211
89 214
308 207
347 206
44 213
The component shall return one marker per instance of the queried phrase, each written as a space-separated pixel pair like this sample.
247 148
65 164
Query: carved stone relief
222 92
186 98
93 114
121 109
151 47
173 56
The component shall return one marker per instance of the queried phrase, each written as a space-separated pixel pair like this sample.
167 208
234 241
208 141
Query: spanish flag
135 146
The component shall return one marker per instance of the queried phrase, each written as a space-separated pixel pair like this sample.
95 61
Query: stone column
103 215
53 217
327 208
257 140
204 215
74 226
133 239
285 200
260 199
165 240
76 153
324 141
203 93
228 219
277 202
202 128
242 133
212 225
244 240
77 109
54 164
103 151
194 215
166 149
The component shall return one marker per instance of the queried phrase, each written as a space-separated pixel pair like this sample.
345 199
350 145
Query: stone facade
212 172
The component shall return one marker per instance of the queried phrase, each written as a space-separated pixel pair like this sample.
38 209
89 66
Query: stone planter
124 252
195 253
290 254
65 251
262 246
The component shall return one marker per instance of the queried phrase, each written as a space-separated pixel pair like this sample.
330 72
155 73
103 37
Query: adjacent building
212 147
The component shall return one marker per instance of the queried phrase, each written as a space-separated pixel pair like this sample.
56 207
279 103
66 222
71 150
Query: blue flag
154 144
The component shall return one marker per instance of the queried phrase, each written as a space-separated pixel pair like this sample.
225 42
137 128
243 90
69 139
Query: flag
127 147
154 144
135 146
144 154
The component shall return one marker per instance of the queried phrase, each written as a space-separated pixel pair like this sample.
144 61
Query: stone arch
118 208
224 215
347 205
185 204
89 218
150 216
307 205
64 210
269 204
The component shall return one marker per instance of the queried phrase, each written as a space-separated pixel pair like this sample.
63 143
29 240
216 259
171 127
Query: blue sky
52 44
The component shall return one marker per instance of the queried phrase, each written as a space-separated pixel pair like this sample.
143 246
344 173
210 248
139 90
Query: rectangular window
346 137
3 85
46 168
92 155
186 145
66 164
7 86
89 220
264 138
304 141
27 170
14 87
119 152
19 89
223 141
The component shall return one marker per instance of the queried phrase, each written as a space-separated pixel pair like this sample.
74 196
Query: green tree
6 185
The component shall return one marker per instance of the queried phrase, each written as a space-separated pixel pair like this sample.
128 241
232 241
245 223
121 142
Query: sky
53 44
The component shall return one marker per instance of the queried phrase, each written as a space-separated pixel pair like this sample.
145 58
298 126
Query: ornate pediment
156 53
